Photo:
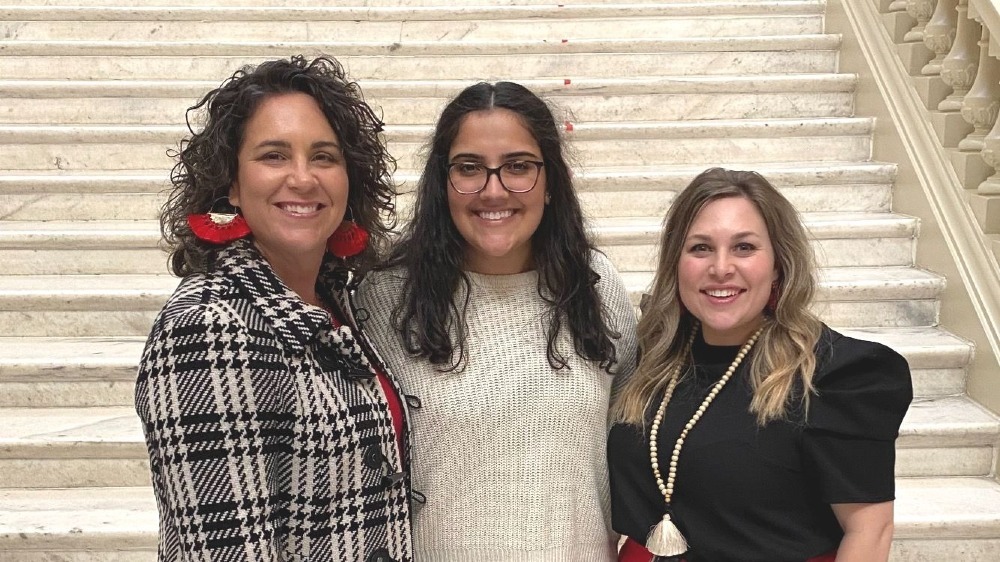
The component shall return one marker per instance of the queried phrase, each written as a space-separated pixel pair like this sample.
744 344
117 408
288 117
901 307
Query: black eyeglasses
516 176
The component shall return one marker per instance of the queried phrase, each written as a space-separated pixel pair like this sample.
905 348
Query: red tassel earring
348 240
772 301
218 228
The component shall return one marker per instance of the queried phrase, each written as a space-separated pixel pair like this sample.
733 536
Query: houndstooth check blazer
269 437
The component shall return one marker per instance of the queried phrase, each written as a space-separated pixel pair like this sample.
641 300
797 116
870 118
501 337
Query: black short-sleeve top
748 493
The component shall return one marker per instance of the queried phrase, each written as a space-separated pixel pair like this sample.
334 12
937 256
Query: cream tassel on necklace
666 539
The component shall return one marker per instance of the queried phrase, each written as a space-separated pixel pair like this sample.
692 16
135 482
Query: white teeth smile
495 215
300 209
721 294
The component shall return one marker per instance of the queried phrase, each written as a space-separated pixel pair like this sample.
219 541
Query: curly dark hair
431 249
207 160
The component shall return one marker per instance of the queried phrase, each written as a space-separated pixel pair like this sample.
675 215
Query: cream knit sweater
509 453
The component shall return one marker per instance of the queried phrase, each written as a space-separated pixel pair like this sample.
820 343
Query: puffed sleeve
863 391
205 445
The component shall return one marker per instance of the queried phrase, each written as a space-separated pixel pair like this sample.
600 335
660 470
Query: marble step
100 371
947 435
50 447
955 519
420 102
511 60
81 247
937 358
115 305
731 141
83 372
88 247
858 297
605 192
95 524
456 23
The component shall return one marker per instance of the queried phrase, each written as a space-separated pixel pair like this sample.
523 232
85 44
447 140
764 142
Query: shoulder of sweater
382 286
603 266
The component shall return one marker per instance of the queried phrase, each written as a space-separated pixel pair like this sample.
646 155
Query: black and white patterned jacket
269 437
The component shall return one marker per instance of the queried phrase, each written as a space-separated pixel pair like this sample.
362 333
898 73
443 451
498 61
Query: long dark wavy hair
207 160
431 250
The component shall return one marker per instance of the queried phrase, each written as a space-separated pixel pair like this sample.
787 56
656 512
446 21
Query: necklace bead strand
667 488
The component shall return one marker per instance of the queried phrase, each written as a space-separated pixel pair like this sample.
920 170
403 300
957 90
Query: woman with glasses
508 330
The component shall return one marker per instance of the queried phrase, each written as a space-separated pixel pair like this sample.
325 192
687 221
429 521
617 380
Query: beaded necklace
666 539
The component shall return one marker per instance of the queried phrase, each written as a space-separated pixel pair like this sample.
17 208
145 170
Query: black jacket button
373 457
380 555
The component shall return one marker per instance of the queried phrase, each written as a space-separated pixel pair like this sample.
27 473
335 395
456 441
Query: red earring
218 228
348 240
772 301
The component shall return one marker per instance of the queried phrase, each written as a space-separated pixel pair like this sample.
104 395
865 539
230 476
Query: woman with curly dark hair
274 432
498 314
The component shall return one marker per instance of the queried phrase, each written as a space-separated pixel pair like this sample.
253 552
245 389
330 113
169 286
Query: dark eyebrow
737 236
285 144
505 157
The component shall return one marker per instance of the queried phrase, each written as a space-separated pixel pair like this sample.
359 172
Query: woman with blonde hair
751 431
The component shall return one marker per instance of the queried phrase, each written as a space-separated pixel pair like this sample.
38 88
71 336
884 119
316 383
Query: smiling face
291 183
497 225
726 269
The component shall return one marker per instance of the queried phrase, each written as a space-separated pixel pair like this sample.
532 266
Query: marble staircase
92 97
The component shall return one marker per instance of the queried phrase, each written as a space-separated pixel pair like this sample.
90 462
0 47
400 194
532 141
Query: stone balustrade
952 52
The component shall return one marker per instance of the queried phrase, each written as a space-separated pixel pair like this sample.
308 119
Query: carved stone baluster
921 11
991 155
939 34
897 6
982 103
958 69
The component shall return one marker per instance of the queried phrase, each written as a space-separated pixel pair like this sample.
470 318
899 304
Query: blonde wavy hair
784 354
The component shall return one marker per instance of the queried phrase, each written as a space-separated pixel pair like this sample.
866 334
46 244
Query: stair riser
70 261
80 206
75 323
938 382
944 461
66 394
470 67
73 473
676 151
414 30
666 107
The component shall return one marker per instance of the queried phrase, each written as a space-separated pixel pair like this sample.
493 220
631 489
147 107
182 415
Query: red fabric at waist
632 551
